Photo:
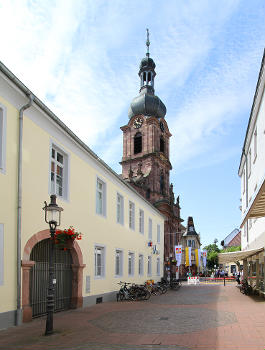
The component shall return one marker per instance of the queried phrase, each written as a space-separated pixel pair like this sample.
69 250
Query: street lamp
53 218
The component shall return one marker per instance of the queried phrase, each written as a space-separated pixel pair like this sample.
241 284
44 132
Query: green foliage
212 254
231 249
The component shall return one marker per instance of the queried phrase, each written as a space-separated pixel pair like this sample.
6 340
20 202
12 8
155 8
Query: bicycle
124 293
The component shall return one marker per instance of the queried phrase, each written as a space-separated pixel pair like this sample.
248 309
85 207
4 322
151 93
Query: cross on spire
147 42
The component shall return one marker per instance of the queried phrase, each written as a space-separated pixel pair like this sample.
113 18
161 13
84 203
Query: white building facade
252 175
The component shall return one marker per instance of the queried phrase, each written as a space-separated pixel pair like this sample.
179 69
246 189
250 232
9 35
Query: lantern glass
53 215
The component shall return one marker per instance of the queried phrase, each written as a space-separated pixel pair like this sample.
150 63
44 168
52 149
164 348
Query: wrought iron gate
40 274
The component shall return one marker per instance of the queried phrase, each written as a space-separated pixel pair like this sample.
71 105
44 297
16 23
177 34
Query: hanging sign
178 254
204 257
188 256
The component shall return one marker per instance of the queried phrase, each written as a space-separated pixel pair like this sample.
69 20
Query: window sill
99 277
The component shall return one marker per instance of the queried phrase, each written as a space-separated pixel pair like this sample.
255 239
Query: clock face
138 123
162 127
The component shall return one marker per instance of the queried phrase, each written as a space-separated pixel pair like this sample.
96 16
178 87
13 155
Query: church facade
146 156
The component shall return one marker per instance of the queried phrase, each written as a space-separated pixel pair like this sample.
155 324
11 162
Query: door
40 274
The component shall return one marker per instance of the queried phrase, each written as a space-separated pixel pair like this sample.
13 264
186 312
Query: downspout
246 182
19 208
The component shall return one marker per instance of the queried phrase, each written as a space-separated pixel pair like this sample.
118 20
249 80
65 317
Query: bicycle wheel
147 295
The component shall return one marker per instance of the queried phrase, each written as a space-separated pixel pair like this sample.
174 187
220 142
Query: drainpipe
19 208
246 182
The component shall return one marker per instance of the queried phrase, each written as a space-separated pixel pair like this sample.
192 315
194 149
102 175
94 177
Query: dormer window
138 143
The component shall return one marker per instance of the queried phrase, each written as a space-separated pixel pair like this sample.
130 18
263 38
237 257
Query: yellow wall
79 209
8 207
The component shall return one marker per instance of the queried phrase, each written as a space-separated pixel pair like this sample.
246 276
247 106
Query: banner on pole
198 257
188 256
178 254
204 257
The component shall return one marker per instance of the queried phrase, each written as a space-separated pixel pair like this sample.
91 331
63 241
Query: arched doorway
39 276
27 263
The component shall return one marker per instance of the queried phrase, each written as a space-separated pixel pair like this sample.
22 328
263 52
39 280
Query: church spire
147 42
147 103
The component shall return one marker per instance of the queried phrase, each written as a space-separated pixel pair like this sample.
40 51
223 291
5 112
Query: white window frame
131 215
101 210
149 265
150 229
120 209
158 267
102 249
2 139
131 256
1 254
255 145
119 267
244 180
249 162
158 238
141 221
141 265
66 170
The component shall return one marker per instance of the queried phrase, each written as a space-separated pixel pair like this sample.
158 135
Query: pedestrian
238 277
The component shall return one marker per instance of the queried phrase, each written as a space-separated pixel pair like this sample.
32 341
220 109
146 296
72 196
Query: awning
237 256
257 206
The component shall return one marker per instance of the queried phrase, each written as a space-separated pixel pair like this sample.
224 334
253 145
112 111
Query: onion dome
147 103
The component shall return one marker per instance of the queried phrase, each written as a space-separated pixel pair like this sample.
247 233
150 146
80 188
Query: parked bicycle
246 288
124 293
132 293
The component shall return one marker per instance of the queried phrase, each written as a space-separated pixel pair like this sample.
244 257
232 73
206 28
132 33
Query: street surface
206 316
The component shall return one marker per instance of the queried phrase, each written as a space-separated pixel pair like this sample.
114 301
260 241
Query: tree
212 254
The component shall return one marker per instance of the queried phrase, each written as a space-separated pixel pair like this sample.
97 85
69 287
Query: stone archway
26 263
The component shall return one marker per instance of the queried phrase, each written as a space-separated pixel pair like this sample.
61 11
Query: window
149 266
141 265
255 145
158 233
99 261
249 163
148 193
150 229
120 209
193 244
131 264
162 145
59 172
138 143
2 139
141 221
189 243
131 215
118 263
1 254
244 181
158 266
101 198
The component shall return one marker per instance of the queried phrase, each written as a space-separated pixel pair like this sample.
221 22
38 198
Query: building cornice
253 114
55 119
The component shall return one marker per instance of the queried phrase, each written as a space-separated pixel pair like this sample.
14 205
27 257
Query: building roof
233 239
53 117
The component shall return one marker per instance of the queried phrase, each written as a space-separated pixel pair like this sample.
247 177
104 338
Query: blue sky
81 59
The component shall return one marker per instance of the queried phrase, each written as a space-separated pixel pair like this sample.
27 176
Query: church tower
145 162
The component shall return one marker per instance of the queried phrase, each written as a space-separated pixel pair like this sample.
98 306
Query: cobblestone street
194 317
